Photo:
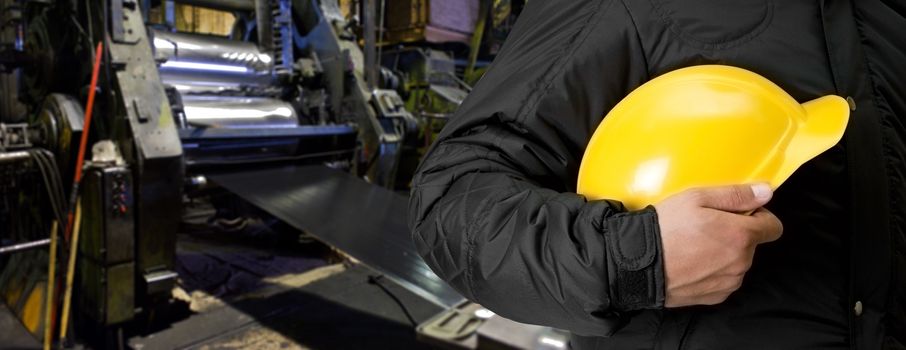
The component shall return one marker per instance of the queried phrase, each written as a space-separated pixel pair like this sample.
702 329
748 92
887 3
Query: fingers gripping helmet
707 125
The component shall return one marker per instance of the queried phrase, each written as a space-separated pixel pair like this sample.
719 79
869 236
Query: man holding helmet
494 209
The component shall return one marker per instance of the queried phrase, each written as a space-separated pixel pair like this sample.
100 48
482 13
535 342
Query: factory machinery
297 112
171 111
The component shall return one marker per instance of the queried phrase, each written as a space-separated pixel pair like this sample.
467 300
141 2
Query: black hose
56 183
376 280
50 175
55 180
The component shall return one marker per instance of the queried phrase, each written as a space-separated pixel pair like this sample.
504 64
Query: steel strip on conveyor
363 220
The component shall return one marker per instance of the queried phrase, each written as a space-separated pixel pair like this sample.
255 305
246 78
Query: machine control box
107 245
108 224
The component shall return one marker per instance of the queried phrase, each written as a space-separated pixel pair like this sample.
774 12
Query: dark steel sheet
365 221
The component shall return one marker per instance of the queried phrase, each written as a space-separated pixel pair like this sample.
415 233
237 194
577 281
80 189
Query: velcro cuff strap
635 263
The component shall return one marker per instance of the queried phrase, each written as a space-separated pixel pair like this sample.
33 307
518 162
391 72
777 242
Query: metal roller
223 105
186 84
238 112
190 60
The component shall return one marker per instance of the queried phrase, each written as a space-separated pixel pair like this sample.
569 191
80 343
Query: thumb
737 199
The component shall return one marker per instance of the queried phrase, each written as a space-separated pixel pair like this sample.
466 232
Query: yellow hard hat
708 125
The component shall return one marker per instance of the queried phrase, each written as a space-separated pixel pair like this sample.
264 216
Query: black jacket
493 209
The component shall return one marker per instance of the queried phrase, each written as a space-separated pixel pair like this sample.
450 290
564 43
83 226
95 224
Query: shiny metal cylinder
200 63
238 112
13 156
193 84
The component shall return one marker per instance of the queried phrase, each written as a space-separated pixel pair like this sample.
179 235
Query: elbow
434 249
437 245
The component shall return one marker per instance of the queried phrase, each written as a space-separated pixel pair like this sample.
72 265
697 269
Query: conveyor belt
363 220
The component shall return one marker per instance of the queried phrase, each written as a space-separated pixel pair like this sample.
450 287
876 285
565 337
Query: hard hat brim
825 123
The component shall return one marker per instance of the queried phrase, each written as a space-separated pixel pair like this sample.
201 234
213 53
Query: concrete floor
262 285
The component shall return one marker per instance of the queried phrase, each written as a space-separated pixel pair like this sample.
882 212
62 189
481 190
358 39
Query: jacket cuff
635 263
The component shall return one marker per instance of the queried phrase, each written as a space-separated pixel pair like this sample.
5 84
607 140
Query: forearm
532 254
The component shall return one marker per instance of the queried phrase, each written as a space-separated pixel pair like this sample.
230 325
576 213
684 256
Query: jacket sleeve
493 209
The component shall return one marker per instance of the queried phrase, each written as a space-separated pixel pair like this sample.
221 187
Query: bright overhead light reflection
484 313
188 46
264 58
553 342
204 66
161 43
650 176
208 113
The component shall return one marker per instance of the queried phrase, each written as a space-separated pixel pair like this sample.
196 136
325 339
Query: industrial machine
171 108
296 83
299 93
426 78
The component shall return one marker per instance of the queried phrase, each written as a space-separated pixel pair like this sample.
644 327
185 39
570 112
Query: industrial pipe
18 247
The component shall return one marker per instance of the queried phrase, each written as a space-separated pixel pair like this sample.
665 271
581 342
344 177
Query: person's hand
709 240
